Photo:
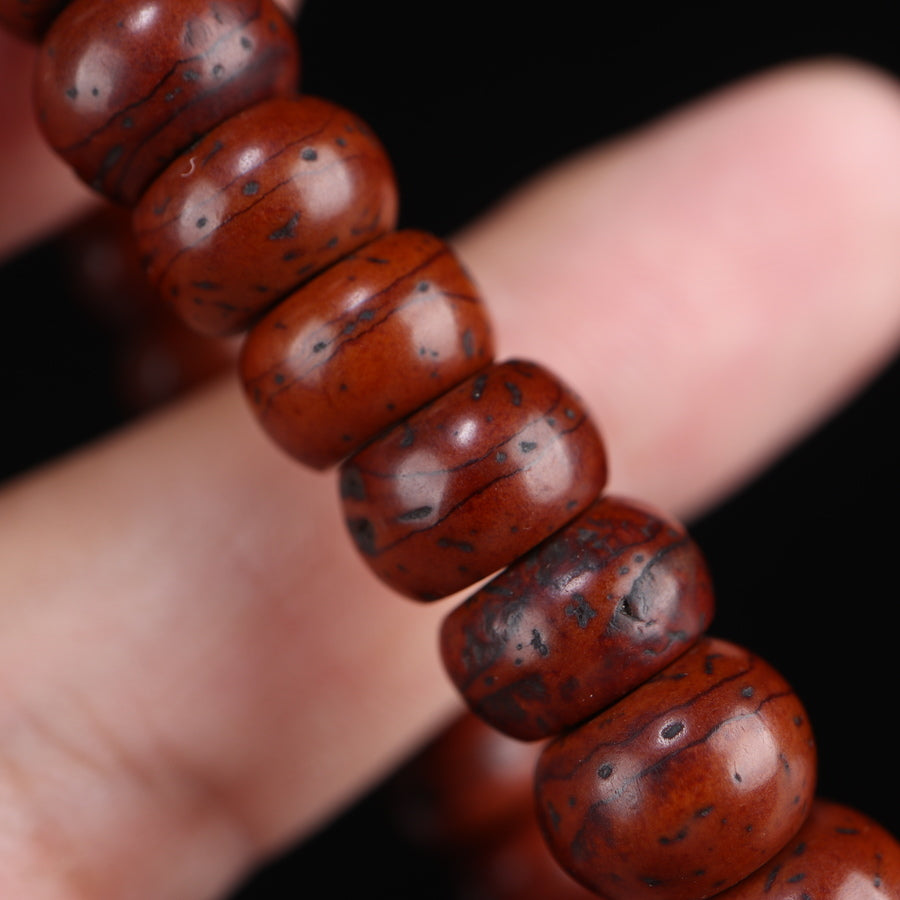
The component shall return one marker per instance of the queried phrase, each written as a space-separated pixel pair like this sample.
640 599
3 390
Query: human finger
140 729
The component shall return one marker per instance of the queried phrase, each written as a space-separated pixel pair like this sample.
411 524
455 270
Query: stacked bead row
680 763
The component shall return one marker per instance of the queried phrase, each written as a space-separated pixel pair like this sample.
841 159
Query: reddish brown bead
464 787
373 338
579 621
29 19
684 787
516 865
122 88
838 853
260 205
462 487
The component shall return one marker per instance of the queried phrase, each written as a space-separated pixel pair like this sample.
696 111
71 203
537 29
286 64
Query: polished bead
579 621
376 336
29 19
838 854
260 205
685 786
123 87
466 484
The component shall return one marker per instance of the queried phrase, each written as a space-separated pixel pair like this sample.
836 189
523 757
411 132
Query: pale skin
197 670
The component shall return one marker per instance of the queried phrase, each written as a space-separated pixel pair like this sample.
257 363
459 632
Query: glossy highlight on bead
839 852
259 206
122 87
379 334
463 486
714 752
579 621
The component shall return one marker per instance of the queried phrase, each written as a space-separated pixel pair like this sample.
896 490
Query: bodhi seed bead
468 483
579 621
685 786
260 205
123 86
379 334
838 853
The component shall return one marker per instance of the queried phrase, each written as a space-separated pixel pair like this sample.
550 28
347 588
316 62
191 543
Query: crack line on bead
240 26
185 248
228 185
339 343
558 436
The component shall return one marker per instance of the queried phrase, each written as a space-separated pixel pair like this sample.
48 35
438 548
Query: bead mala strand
498 644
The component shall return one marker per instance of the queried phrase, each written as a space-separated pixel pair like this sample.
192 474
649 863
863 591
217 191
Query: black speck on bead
672 730
363 533
286 231
352 486
514 392
413 515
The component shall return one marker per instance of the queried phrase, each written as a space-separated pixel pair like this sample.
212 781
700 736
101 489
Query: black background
469 100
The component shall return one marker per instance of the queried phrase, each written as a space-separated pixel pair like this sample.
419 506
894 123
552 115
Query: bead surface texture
839 853
684 787
381 333
122 88
579 621
471 481
262 204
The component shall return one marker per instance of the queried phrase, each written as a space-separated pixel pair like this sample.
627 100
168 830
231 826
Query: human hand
189 688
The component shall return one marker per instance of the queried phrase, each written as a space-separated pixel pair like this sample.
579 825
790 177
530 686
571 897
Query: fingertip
718 282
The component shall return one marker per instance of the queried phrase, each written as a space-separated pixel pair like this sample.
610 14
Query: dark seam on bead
156 87
471 495
539 417
342 340
226 186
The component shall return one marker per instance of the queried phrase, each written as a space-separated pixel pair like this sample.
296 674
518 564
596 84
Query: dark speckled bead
376 336
684 787
122 87
262 204
579 621
838 854
29 19
464 486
